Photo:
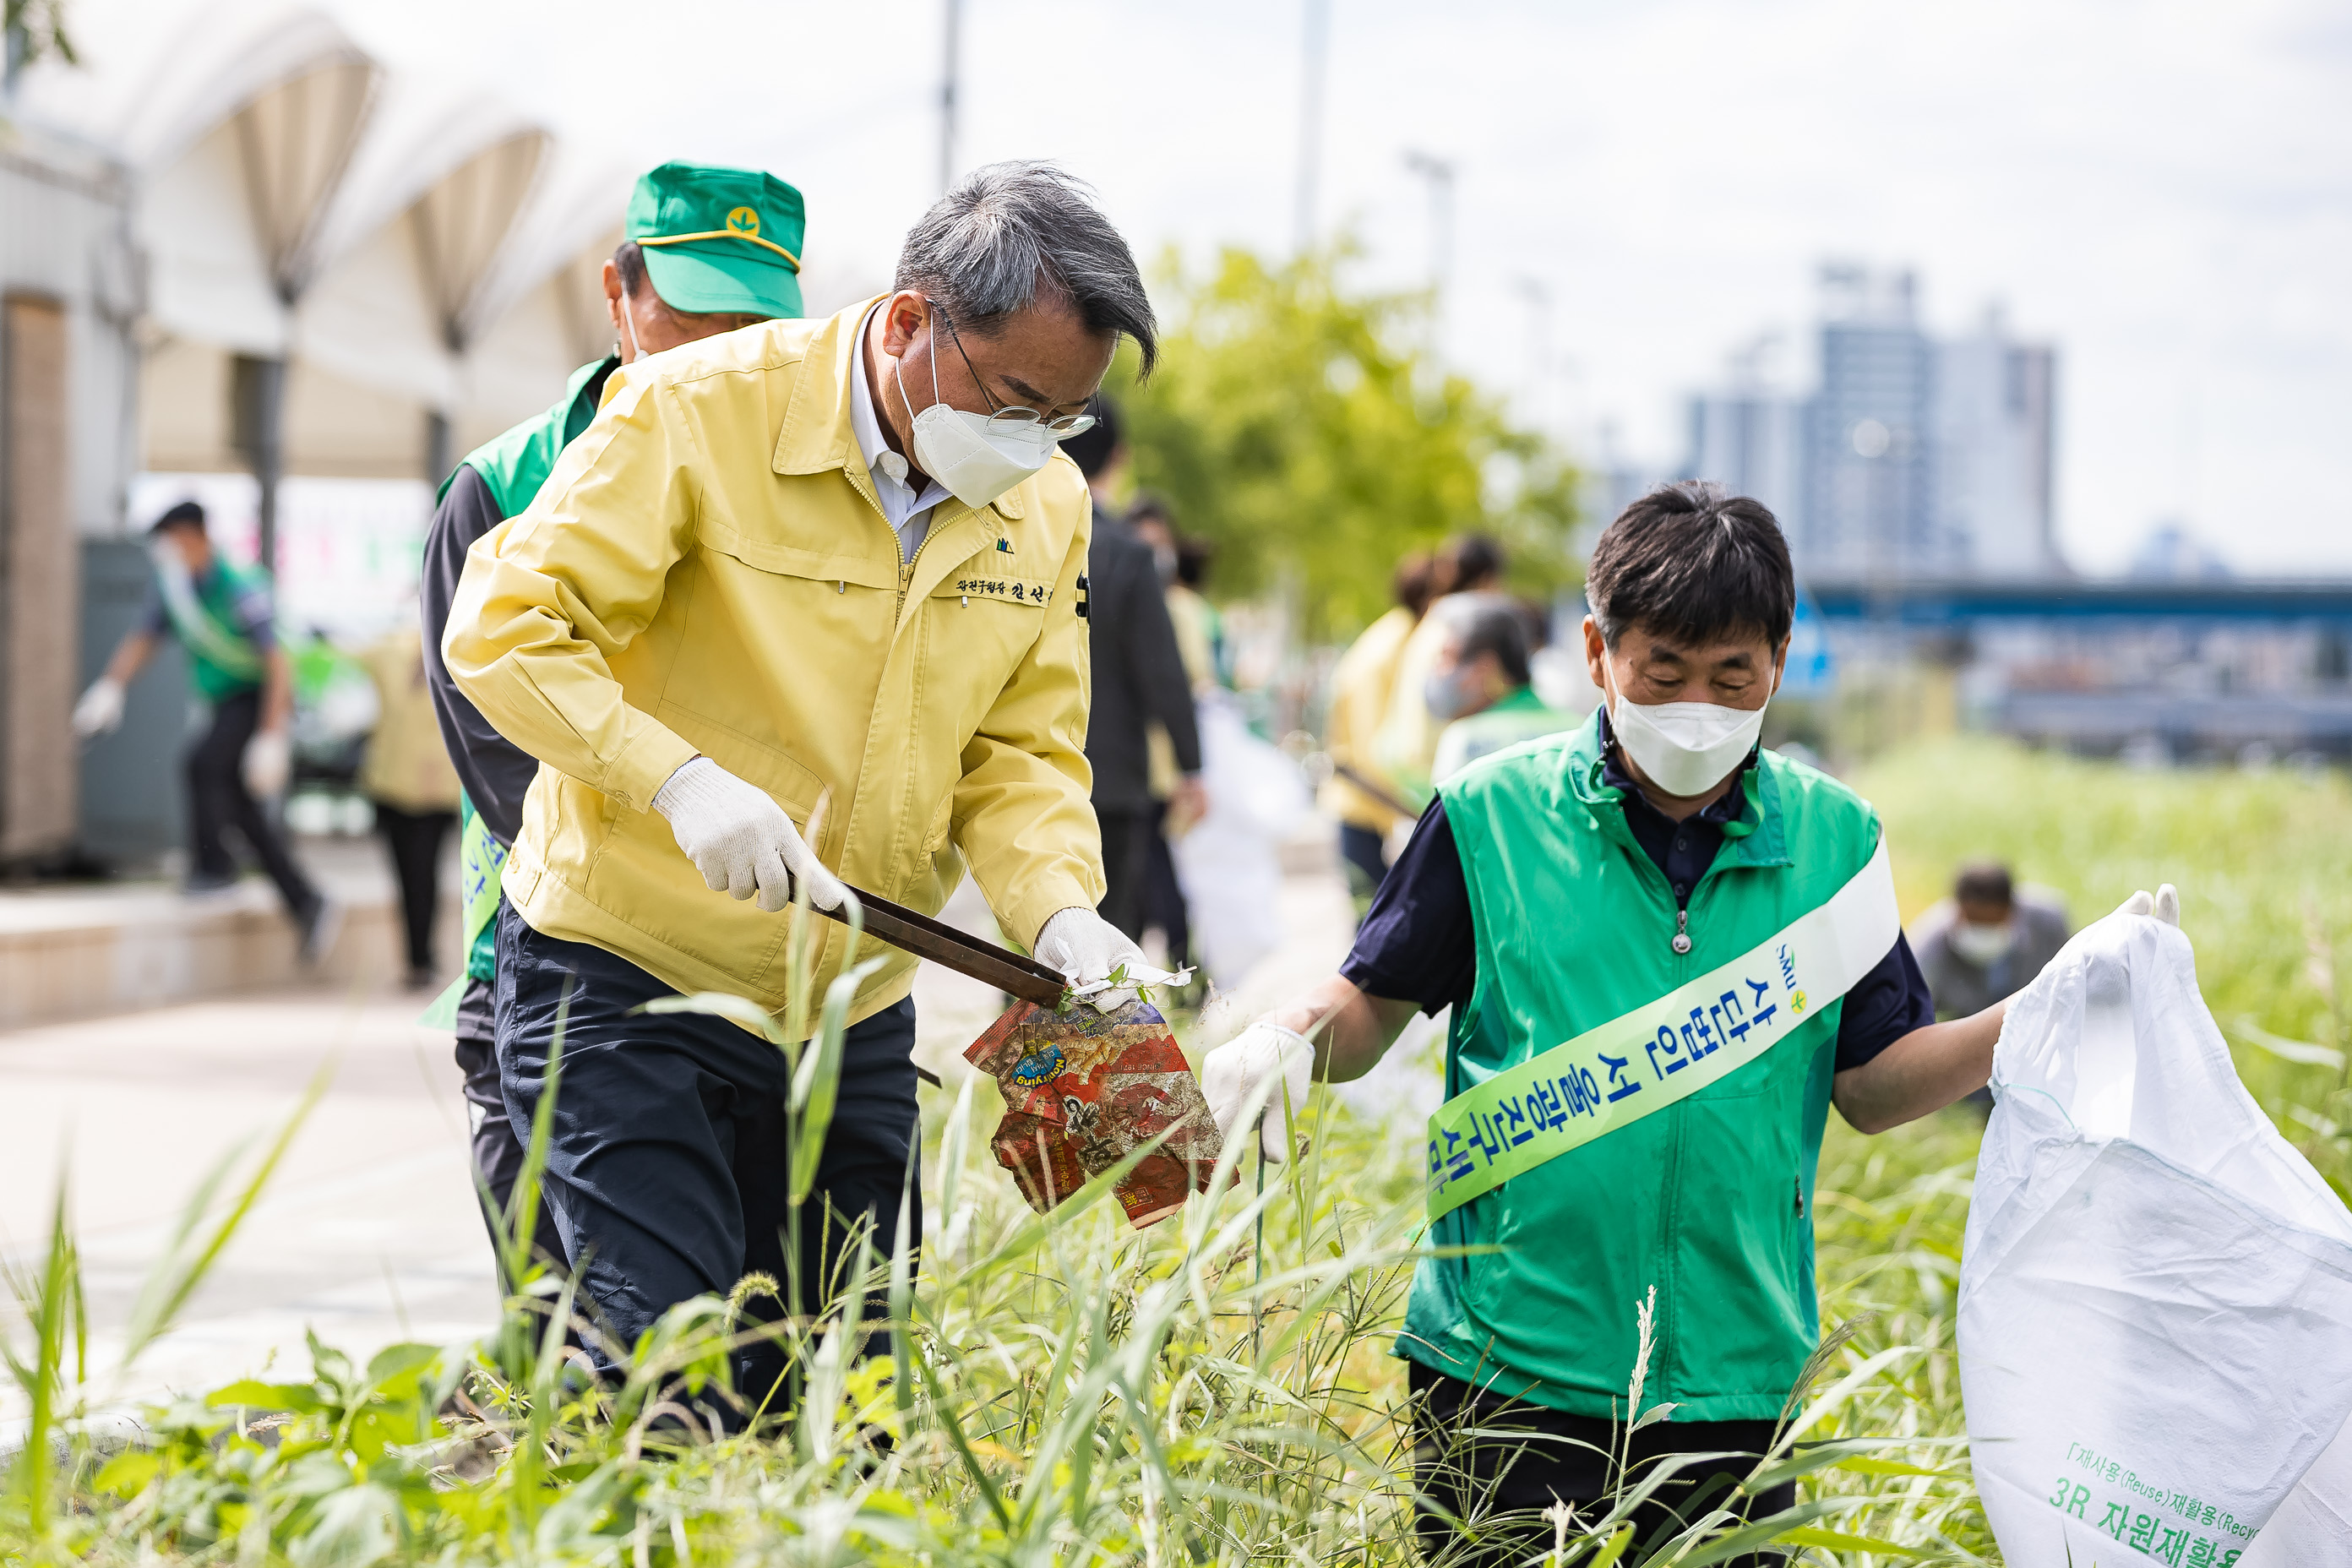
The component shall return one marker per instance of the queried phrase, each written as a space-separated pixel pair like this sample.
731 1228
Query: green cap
719 239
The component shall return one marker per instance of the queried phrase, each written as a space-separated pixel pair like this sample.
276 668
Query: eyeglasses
1013 417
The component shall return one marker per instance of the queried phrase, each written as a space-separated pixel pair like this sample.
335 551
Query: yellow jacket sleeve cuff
1040 902
653 754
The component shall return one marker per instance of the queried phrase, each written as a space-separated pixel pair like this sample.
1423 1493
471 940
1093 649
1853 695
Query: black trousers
669 1166
414 840
218 801
499 1146
1126 838
1163 895
1561 1458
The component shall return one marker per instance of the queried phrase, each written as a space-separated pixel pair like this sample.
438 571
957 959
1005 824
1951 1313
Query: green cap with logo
717 239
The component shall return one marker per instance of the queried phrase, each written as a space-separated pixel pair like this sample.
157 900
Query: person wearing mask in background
1983 944
1667 952
706 249
1198 634
800 606
220 613
1482 687
1139 679
407 777
1407 742
1362 683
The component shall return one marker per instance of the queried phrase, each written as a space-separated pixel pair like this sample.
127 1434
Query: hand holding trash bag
2155 1293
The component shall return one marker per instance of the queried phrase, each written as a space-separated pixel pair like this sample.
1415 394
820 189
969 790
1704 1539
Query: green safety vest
222 659
512 465
1707 1197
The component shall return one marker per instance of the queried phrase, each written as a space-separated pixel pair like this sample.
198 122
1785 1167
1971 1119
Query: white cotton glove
1087 948
269 764
739 839
2165 905
100 711
1243 1067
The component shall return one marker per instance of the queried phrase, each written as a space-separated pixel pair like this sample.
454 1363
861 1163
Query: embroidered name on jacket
1012 590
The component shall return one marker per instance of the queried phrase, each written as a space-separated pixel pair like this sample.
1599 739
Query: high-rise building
1994 427
1912 457
1869 507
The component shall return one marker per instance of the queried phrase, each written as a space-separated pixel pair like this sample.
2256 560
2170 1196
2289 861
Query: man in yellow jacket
803 595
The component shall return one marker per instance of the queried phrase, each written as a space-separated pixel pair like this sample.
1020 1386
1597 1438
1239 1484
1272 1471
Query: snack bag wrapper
1082 1091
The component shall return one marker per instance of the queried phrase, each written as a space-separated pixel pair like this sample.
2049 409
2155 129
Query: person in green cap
706 249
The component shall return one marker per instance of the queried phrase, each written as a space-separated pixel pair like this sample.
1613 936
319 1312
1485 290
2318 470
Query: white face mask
976 460
1983 946
1685 748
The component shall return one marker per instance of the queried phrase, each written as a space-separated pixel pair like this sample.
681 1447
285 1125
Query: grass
1214 1390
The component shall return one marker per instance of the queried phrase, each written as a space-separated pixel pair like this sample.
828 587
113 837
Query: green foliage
1218 1389
35 30
1289 423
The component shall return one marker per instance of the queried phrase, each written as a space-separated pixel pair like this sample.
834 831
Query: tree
1289 426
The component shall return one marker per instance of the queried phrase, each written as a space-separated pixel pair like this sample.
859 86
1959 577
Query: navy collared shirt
1416 943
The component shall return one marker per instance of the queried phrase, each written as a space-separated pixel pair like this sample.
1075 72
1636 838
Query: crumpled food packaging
1085 1090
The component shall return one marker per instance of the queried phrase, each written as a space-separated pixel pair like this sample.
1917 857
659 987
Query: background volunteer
880 552
220 612
407 778
1139 679
1362 683
706 249
1482 685
1653 845
1983 944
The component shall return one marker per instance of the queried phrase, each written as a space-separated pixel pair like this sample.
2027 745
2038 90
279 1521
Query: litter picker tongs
966 954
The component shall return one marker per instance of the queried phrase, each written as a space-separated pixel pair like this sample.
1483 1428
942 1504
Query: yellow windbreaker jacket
706 572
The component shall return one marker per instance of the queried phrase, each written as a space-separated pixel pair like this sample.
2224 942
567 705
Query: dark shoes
320 925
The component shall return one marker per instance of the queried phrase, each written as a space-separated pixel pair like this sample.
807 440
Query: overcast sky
2163 191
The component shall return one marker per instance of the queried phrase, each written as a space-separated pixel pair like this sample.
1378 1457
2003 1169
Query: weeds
1060 1388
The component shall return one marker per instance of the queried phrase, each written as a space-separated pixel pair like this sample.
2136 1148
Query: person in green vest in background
706 249
1480 688
220 613
1667 953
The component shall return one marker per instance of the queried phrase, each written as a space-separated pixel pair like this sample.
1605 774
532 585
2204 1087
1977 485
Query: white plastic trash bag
2155 1296
1229 864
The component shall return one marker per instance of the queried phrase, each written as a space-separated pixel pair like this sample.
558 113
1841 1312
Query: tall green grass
1062 1389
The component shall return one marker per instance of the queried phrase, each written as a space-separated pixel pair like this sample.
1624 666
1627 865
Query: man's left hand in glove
1088 949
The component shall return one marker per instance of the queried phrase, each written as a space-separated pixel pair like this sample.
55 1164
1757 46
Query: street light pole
1439 174
948 96
1315 55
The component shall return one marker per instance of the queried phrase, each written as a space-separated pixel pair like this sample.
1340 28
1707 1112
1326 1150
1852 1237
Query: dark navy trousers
668 1167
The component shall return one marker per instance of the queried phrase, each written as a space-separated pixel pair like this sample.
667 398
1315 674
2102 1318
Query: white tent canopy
294 200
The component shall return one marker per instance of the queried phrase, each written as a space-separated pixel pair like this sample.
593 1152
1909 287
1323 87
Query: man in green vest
1667 953
1482 687
220 613
706 249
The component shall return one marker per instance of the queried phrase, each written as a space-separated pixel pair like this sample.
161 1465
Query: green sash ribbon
480 859
201 631
1697 1034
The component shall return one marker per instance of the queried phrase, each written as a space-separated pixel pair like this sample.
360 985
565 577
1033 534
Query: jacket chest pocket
981 627
981 580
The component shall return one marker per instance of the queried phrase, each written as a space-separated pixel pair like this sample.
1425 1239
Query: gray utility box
133 787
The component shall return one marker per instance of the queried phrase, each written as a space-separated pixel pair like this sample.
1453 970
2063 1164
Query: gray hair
1009 233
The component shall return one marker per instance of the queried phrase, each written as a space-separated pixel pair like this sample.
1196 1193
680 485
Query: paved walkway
369 1232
